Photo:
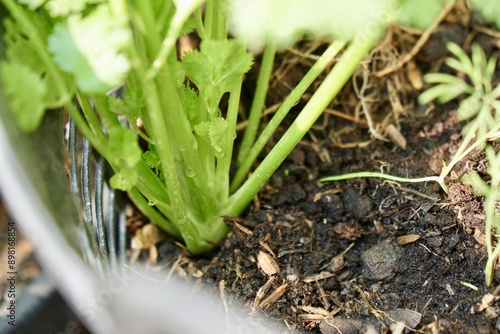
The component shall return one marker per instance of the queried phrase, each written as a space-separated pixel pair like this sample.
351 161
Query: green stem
289 102
158 130
90 116
159 219
181 136
146 20
200 29
463 150
216 20
330 87
460 151
224 164
173 33
258 101
491 217
150 185
108 118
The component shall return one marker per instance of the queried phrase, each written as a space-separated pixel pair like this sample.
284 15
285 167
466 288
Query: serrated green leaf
216 67
189 26
123 145
419 14
119 107
25 91
214 133
217 135
134 99
90 48
190 99
201 130
124 180
151 159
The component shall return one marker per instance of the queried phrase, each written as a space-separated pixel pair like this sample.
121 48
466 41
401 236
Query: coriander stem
148 23
159 219
108 118
258 101
325 59
164 146
181 15
216 23
224 163
330 87
90 116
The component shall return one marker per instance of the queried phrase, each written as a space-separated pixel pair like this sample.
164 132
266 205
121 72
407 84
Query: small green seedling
480 107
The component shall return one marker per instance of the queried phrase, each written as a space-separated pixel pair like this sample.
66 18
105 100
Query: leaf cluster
480 105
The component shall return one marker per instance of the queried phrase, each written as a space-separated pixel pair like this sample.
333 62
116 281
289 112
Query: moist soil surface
366 255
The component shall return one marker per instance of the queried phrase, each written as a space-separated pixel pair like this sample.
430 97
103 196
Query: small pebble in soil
359 205
379 262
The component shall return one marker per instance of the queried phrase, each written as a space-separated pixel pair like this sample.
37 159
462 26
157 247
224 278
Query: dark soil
363 248
367 255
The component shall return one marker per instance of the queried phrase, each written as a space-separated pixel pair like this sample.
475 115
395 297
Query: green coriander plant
60 52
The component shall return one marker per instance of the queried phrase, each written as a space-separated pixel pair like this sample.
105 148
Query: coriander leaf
190 99
124 180
284 22
189 26
90 48
32 4
25 91
65 7
214 132
134 99
21 50
124 146
419 14
201 130
217 135
151 159
216 67
120 107
489 9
